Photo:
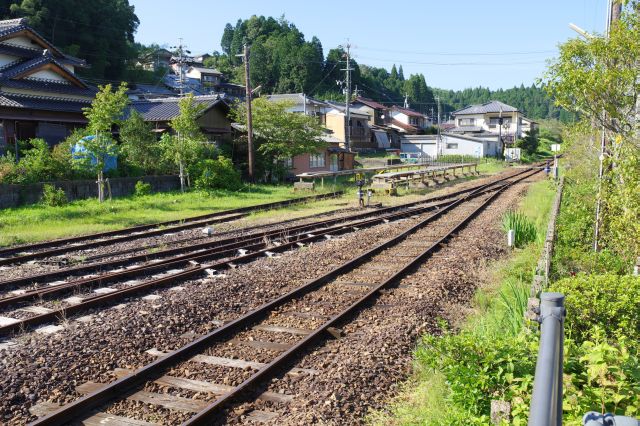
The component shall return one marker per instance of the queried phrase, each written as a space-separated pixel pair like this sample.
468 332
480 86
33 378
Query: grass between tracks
39 222
488 356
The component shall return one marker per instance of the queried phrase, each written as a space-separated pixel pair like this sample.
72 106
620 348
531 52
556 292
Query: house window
288 163
316 160
466 121
495 121
452 146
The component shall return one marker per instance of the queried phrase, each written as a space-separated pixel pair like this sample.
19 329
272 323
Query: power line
532 52
451 63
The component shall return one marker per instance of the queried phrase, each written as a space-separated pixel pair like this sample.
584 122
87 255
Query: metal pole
546 402
347 100
249 117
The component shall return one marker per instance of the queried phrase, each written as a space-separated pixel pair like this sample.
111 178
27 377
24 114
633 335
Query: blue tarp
78 151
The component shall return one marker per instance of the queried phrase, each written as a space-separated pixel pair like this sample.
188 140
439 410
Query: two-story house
208 77
359 130
496 118
409 121
158 59
40 94
332 156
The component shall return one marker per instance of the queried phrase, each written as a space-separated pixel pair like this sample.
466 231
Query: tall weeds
525 229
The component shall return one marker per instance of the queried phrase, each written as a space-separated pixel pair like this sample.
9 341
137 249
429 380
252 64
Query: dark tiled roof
48 86
12 26
21 67
487 107
45 103
20 51
369 102
167 108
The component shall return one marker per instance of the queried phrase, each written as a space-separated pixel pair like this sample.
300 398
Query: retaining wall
15 195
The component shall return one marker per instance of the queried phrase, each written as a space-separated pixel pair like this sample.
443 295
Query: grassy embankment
458 374
39 222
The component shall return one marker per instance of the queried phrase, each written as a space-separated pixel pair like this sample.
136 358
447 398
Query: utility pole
347 100
439 140
245 57
180 49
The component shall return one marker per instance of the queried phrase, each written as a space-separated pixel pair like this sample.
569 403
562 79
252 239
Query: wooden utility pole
347 101
245 55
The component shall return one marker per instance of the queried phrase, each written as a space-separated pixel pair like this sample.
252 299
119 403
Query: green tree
184 146
281 134
100 30
529 143
139 144
105 111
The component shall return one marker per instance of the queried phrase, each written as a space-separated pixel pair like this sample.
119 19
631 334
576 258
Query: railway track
27 252
210 257
232 362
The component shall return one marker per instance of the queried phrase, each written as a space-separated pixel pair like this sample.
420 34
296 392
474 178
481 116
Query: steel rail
189 271
123 386
171 226
100 266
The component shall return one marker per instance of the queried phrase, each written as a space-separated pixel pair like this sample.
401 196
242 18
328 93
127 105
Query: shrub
142 188
607 302
525 229
218 174
53 197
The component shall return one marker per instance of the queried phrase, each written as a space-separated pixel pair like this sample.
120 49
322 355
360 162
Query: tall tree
105 111
183 147
400 74
138 143
227 38
100 31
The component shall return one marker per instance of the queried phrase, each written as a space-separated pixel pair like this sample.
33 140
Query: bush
525 229
217 174
53 197
142 188
608 302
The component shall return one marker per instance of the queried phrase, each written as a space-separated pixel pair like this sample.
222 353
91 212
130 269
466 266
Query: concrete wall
15 195
464 146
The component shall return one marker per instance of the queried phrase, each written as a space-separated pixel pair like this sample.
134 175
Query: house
40 94
208 77
451 144
409 121
383 135
360 133
213 120
156 60
494 118
333 156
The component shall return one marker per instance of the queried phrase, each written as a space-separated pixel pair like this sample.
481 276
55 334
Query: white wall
23 41
427 146
464 146
48 74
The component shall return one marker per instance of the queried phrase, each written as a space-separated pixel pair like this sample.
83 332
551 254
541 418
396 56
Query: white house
207 76
408 121
476 120
451 144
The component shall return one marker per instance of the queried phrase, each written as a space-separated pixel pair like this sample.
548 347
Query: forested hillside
283 60
100 31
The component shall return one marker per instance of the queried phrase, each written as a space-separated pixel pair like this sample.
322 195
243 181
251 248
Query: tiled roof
404 126
203 70
487 107
48 86
12 26
46 103
463 129
408 112
167 108
369 102
20 67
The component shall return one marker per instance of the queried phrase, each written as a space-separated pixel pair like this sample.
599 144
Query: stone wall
15 195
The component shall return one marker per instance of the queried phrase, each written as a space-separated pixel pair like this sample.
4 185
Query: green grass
38 222
498 310
490 166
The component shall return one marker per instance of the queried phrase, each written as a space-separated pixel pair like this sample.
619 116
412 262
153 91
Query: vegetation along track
23 253
276 333
17 315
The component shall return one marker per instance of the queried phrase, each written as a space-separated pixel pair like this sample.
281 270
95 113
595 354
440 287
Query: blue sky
455 45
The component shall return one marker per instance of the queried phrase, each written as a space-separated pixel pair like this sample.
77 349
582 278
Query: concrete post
546 402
